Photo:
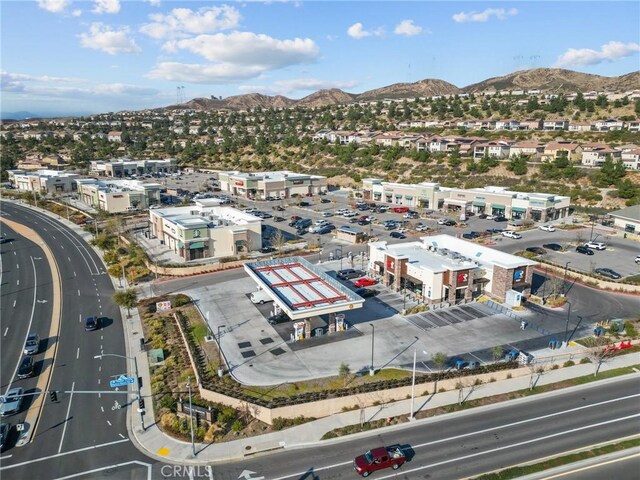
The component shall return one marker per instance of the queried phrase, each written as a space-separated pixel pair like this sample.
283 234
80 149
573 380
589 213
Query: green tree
126 298
440 360
518 165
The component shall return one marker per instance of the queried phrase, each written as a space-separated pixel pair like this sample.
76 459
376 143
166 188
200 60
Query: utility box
513 298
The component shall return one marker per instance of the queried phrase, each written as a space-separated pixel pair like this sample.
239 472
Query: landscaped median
228 410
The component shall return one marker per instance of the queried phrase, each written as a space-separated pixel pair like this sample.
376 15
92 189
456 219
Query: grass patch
516 472
199 331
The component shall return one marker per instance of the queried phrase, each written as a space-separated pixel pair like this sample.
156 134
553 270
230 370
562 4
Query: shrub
226 415
555 366
179 300
509 375
569 363
237 425
585 360
630 329
492 379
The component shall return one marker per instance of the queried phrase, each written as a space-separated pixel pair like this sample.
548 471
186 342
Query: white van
260 296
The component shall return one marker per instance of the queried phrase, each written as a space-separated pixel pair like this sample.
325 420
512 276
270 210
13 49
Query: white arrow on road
247 475
42 301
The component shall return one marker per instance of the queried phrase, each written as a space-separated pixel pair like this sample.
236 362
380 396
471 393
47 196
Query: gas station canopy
301 289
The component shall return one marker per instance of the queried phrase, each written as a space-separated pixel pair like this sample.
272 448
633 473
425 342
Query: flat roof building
43 181
125 167
278 184
627 219
442 268
206 229
115 196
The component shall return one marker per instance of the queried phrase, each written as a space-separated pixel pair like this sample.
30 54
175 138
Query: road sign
121 381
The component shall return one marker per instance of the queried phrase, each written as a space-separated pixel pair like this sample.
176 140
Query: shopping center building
43 181
125 167
281 184
117 196
442 268
498 201
206 229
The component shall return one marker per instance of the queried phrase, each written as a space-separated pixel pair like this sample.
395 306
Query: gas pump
340 323
298 331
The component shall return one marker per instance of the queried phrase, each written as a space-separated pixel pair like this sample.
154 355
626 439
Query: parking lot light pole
413 381
193 445
564 281
135 368
373 333
220 369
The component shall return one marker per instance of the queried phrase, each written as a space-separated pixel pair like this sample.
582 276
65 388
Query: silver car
11 402
32 345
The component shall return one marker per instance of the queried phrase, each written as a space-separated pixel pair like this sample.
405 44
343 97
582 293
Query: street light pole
193 445
320 251
413 383
220 369
373 333
566 328
564 281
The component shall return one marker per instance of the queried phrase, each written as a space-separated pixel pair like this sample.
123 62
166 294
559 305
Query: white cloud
182 21
109 39
408 28
76 13
586 56
45 85
357 31
154 3
54 6
251 49
220 73
283 87
485 15
106 6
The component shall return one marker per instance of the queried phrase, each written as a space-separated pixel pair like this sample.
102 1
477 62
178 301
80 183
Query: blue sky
69 57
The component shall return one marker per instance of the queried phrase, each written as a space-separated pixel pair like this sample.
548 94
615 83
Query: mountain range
554 80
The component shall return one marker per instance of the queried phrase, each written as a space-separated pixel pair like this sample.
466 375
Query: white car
349 214
511 234
491 217
442 221
327 214
547 228
595 245
402 230
422 228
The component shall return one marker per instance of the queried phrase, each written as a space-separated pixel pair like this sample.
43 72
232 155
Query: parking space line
109 422
481 361
5 332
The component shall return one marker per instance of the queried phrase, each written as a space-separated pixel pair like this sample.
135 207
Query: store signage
160 306
518 275
297 182
463 277
239 184
391 264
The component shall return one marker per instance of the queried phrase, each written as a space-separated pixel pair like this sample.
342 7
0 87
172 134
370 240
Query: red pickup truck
379 459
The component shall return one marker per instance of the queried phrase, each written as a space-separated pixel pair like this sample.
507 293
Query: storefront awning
478 204
518 209
388 194
411 279
194 245
408 197
180 244
398 195
498 206
456 202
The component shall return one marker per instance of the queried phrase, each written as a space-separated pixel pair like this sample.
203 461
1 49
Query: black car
468 236
325 200
5 428
266 215
367 292
25 370
278 219
450 223
350 273
304 204
324 230
482 216
398 235
279 318
584 250
279 208
536 250
553 246
500 219
607 272
91 323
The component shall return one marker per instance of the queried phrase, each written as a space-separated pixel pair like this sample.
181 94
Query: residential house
553 150
594 155
608 125
494 149
530 124
114 136
631 159
533 150
579 126
633 126
555 124
507 124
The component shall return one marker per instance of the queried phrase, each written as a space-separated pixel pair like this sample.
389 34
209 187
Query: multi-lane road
82 436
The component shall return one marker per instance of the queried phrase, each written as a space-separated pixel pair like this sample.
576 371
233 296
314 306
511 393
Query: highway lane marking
102 408
100 368
486 430
33 310
98 381
597 465
78 353
68 258
14 304
122 436
109 422
17 266
78 292
64 429
109 467
80 319
5 332
70 452
519 444
17 282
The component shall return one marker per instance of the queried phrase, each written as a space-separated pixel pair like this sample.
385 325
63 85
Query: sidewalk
167 449
154 443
